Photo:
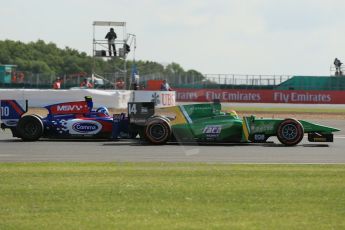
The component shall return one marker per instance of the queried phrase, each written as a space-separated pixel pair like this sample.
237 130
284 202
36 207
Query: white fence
109 98
247 79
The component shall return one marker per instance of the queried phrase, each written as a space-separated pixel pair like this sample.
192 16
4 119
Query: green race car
206 123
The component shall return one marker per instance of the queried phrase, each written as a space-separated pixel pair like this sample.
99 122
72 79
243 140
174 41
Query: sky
273 37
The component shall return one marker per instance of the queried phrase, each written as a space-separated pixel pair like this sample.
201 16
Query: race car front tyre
290 132
30 128
157 131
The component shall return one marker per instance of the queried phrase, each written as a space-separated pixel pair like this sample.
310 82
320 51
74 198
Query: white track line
335 136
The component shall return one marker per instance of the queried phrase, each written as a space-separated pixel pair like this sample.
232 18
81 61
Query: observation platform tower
102 47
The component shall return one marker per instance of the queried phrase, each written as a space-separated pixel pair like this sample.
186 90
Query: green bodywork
206 122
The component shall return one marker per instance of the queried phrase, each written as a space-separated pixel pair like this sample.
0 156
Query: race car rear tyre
290 132
30 128
157 131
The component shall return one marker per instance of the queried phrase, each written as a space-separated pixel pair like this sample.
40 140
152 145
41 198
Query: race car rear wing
74 107
11 111
139 112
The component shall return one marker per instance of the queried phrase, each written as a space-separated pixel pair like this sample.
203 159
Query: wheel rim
289 132
30 129
157 131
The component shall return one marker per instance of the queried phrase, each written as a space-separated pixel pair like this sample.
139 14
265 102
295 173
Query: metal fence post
37 80
193 80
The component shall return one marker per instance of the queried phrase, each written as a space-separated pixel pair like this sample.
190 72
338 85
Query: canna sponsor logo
85 127
66 108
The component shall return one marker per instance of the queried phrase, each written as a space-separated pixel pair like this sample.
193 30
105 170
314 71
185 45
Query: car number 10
5 111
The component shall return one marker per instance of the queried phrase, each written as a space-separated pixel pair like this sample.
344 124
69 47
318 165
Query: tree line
46 58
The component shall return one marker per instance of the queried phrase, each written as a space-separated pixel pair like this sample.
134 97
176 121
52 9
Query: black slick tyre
157 131
290 132
30 128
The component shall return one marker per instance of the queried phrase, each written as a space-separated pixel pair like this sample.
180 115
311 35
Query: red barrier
261 96
153 85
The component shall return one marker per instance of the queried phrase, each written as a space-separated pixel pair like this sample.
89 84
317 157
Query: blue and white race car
64 120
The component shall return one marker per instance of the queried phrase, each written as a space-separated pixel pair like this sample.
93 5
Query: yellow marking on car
245 129
179 117
232 113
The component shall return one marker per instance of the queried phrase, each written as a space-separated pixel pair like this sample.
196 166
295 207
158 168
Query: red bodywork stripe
16 107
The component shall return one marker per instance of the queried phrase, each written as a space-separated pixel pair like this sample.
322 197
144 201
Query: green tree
47 59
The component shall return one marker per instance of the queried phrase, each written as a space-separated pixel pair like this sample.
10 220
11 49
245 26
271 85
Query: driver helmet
104 110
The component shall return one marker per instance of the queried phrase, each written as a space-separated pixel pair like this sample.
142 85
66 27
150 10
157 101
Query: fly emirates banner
261 96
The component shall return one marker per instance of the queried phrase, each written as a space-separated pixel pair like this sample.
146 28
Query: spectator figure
337 64
120 84
135 78
20 77
135 86
57 83
14 77
135 83
86 84
165 86
142 86
111 36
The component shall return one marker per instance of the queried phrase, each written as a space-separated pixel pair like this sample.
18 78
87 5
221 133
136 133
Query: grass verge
171 196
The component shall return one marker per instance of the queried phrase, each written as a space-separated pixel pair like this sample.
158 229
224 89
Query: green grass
289 110
171 196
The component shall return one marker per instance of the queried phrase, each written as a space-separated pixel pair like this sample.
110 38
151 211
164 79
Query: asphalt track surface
14 150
